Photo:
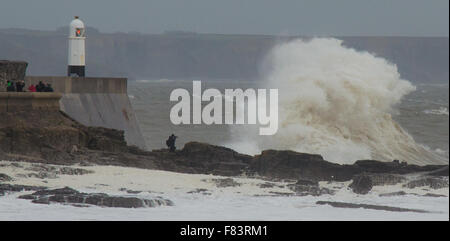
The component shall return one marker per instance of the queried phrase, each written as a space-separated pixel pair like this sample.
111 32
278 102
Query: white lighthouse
76 58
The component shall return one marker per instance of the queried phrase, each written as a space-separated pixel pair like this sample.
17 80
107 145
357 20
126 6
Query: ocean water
247 201
232 207
335 101
423 114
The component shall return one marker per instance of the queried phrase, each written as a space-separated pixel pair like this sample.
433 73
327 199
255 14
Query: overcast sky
279 17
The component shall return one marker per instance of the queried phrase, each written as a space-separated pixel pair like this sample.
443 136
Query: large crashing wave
335 101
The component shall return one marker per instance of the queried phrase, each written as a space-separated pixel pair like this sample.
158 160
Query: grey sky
285 17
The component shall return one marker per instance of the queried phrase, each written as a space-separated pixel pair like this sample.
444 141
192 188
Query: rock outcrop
440 172
5 178
8 188
369 206
431 182
305 188
198 157
52 136
294 165
361 184
225 182
73 197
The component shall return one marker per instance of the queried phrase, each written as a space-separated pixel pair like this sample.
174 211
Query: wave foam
335 101
440 111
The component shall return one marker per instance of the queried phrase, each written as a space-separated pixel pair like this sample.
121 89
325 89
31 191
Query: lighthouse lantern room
76 58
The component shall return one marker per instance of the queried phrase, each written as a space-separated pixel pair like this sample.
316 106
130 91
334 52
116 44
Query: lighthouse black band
75 70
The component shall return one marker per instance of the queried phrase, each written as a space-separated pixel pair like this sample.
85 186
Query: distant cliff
206 56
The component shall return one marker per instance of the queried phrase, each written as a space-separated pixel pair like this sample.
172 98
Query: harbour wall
96 101
12 101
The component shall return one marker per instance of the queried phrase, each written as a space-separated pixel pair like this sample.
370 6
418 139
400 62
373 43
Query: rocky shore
52 142
52 137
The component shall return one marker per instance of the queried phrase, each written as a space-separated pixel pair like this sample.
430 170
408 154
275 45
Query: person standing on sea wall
32 88
48 88
40 87
10 86
20 84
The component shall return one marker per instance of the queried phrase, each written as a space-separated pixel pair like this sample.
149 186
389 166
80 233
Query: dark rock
59 191
5 178
43 175
362 184
200 190
5 188
133 192
307 187
307 183
440 172
432 182
35 133
266 185
402 193
70 196
433 195
382 179
16 165
294 165
280 194
372 166
129 191
392 194
73 171
368 206
41 168
211 159
27 196
41 200
105 139
270 185
225 182
313 190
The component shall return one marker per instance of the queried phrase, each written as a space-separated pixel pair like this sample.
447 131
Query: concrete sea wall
95 101
12 101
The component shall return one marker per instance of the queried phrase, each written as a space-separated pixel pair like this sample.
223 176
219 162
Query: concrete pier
96 101
82 85
13 101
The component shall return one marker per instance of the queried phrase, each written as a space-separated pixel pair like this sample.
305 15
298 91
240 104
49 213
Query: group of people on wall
19 86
